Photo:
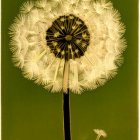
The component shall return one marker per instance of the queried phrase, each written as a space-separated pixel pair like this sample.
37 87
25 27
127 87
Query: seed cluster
68 37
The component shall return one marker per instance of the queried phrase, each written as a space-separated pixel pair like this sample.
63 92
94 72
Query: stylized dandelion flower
85 34
68 45
100 133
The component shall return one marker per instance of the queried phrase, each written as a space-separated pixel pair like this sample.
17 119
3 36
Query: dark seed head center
68 37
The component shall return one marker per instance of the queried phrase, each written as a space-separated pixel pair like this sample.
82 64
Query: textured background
30 113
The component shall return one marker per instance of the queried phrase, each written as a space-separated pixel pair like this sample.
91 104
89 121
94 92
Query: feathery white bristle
31 70
44 77
74 84
106 4
41 3
111 74
100 81
121 46
27 7
18 60
119 60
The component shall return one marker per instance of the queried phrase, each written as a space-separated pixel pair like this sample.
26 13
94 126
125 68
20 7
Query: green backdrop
29 112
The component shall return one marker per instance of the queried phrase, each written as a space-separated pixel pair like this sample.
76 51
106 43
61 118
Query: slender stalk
98 137
66 109
66 106
66 77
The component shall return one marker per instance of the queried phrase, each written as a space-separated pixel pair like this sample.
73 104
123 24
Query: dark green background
29 112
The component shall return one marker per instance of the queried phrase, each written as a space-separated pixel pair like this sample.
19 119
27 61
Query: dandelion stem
98 137
66 106
66 77
66 109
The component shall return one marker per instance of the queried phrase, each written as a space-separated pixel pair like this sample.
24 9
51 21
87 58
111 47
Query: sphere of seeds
88 33
68 37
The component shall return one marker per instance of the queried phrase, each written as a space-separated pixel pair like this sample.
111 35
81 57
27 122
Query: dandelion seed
78 41
56 34
54 43
27 7
100 133
62 19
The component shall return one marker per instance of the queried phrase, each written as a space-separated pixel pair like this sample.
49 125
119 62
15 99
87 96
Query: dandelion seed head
88 34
